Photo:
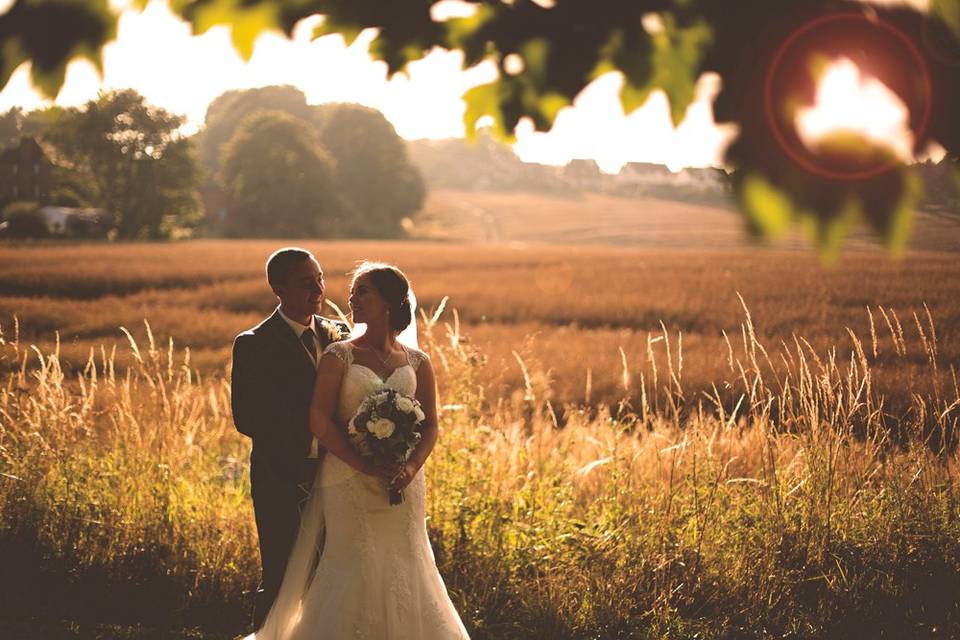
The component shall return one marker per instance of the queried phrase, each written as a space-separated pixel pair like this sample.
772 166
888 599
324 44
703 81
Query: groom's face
302 292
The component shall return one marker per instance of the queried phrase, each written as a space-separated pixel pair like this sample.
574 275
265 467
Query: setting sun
849 102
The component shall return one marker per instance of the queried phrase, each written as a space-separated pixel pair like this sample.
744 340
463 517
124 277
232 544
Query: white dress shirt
298 329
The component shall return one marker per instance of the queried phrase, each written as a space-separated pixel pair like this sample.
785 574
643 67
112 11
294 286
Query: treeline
265 164
491 165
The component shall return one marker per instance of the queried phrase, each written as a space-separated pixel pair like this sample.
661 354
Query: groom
274 370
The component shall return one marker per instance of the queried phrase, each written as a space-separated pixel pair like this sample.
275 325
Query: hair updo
393 286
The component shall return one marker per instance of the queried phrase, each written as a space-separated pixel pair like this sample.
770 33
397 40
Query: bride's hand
383 471
404 475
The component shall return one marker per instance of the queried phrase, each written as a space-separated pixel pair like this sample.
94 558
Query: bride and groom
338 559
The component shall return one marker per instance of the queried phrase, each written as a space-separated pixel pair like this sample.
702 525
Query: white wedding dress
376 578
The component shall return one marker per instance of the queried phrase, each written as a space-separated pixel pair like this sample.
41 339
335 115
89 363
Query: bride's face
366 303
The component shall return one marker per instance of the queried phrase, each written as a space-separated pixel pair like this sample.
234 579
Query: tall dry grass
786 502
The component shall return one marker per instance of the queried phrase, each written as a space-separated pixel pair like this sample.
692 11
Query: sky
156 54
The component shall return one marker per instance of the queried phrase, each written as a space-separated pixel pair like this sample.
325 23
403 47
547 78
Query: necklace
376 354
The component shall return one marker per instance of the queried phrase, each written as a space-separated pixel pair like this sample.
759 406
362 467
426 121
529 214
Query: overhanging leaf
667 58
676 61
51 34
629 53
461 34
484 100
829 233
770 210
247 20
949 12
902 218
350 33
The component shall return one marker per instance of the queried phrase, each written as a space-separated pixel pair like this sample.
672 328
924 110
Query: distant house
26 173
705 179
642 173
69 221
582 173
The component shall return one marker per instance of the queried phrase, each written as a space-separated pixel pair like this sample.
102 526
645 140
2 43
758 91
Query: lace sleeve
341 350
416 357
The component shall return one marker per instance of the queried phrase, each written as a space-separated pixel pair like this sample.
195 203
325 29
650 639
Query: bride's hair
393 286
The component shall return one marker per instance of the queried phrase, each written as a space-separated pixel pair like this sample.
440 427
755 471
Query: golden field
570 308
627 449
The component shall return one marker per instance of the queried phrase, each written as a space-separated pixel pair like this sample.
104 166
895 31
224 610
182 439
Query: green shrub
24 221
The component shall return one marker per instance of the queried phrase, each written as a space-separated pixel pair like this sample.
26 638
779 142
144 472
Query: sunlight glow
849 102
156 54
447 9
596 127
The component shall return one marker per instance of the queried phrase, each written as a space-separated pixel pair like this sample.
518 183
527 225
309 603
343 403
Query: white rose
418 412
405 404
381 428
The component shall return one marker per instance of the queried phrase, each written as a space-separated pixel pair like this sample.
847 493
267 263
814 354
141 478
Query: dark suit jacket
272 385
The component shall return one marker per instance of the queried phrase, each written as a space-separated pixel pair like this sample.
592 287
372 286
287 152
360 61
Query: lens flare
843 120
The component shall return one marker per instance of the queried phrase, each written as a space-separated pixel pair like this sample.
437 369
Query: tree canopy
278 180
376 183
131 161
563 45
377 180
228 110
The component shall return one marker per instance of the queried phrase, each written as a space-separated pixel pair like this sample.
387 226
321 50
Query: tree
278 180
229 109
940 187
144 173
223 118
563 45
15 124
377 182
10 127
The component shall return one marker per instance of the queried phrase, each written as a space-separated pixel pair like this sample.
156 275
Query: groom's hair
280 261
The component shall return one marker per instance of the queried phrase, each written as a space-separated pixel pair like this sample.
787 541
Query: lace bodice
360 381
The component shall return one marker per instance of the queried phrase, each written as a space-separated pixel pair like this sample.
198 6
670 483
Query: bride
376 577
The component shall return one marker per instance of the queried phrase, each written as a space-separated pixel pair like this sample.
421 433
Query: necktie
307 339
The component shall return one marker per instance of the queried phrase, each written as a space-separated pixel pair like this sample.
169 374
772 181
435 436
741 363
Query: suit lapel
287 339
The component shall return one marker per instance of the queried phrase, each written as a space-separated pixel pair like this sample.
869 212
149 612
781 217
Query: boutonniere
334 330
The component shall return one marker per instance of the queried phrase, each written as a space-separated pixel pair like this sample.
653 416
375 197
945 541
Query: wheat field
571 310
637 442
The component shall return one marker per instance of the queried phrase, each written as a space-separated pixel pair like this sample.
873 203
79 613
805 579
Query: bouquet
386 428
